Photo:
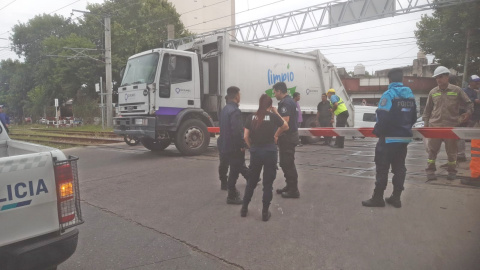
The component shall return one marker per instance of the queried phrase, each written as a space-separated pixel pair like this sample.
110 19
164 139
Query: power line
367 28
8 4
346 44
387 59
65 6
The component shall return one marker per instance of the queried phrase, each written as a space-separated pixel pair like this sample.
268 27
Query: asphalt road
147 210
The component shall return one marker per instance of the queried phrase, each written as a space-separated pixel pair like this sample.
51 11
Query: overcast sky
369 48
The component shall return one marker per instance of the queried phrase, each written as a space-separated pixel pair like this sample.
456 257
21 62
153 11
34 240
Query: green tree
16 81
136 26
27 37
444 34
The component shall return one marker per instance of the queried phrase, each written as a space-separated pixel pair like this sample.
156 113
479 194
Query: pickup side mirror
172 63
122 71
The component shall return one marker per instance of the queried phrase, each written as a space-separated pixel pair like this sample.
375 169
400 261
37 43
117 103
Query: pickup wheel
131 140
155 145
192 137
310 122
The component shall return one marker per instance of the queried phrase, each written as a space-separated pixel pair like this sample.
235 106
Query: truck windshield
141 69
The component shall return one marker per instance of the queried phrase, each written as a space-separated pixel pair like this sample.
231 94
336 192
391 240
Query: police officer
442 110
261 129
340 110
4 119
287 142
230 143
396 114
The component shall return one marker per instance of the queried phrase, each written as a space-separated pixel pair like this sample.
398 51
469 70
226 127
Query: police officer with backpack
396 114
287 108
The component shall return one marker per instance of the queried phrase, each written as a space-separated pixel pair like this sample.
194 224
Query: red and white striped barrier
420 133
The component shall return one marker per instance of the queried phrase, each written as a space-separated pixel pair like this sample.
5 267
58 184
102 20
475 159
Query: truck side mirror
122 71
172 63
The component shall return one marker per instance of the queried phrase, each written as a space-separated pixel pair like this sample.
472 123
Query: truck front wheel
192 137
155 145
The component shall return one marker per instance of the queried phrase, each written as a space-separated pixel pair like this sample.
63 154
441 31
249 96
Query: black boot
291 193
394 199
244 210
266 213
281 190
234 197
376 200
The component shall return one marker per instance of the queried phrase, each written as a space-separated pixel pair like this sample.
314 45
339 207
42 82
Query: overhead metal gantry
319 17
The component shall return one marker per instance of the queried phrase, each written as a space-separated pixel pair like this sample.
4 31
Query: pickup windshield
141 69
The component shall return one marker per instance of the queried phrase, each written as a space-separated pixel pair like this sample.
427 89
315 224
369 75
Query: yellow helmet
331 90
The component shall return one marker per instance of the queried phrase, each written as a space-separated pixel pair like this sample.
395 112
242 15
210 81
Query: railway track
102 134
65 137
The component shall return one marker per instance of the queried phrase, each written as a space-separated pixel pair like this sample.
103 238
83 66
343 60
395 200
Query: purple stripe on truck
168 111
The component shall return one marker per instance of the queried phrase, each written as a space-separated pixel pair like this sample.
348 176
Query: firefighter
396 114
231 144
287 141
340 110
442 110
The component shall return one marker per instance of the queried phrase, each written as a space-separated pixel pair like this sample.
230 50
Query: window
182 73
369 117
141 69
183 70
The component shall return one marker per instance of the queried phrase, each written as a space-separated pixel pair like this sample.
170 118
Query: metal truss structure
319 17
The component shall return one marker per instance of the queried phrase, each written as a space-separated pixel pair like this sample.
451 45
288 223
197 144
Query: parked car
419 123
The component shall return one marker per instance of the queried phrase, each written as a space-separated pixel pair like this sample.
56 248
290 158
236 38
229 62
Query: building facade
200 16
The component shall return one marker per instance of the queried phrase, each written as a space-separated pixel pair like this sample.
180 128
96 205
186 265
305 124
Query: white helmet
440 70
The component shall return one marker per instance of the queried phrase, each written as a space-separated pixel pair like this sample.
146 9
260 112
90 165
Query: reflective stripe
475 155
398 139
452 94
436 94
475 149
452 163
431 161
341 106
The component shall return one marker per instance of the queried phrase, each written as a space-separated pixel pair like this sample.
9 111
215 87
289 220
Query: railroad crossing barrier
418 133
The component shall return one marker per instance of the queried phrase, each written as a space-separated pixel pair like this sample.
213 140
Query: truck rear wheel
310 122
155 145
192 137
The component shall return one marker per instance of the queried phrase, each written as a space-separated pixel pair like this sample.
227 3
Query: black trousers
326 123
223 168
265 158
341 122
286 147
236 161
386 155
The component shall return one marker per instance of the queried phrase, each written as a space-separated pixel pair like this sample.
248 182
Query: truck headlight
141 122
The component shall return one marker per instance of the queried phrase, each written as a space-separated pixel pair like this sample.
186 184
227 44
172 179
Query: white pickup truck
39 205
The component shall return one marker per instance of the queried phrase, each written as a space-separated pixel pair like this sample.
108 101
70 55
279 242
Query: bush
87 109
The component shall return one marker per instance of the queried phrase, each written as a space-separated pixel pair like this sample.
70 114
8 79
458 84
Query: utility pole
108 71
108 66
465 80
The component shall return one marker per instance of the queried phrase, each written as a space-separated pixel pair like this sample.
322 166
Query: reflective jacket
231 126
442 108
396 114
341 105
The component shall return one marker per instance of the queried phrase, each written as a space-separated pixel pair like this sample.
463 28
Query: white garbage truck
39 205
173 95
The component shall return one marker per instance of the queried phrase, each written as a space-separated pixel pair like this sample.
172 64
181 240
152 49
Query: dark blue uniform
287 143
263 154
231 142
396 114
